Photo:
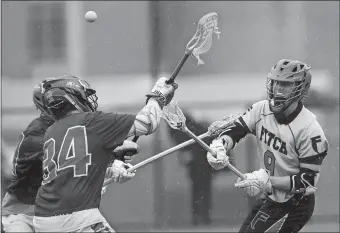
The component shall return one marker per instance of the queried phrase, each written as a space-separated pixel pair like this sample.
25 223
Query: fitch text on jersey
273 141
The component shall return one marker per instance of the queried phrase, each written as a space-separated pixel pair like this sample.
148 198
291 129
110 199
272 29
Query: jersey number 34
73 154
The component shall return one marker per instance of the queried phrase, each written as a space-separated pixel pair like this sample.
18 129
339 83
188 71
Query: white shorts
18 223
90 220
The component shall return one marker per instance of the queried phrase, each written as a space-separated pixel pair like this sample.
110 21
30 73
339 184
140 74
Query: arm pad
304 179
237 131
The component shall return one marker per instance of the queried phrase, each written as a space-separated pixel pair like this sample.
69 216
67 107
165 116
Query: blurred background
130 45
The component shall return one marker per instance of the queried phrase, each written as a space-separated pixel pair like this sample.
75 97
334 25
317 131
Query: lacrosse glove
162 92
118 172
126 151
256 183
221 160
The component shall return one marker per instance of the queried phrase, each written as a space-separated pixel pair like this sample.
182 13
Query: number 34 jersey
285 149
77 150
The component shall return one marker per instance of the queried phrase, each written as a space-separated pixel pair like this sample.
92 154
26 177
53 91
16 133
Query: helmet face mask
92 99
288 82
281 94
90 94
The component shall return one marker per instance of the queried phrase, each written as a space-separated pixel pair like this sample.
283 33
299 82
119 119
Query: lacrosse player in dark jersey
291 146
77 150
19 200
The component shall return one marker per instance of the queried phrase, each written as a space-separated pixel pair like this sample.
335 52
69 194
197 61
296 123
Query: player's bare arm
296 183
282 182
290 183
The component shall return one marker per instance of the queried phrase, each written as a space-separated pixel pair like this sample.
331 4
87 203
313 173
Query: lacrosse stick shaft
178 68
173 76
162 154
135 138
166 152
199 141
207 148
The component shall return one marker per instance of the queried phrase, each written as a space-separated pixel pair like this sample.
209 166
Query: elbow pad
148 119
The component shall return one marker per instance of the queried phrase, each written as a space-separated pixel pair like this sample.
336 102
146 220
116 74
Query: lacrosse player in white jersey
291 146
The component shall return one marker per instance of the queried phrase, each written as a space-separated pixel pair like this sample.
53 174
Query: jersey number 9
269 162
73 154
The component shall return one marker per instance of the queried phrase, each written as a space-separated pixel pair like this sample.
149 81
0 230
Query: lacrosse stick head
201 42
218 127
174 116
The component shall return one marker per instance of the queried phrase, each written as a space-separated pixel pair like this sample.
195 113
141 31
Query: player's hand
256 183
310 189
162 92
120 173
126 151
221 160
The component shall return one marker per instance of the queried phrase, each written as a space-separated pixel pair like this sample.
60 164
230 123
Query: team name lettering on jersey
272 140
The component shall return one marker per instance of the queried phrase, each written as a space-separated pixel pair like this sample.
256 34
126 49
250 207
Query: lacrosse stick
217 128
214 130
200 43
176 120
162 154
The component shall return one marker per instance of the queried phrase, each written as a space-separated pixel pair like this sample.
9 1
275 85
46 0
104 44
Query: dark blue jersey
27 167
77 150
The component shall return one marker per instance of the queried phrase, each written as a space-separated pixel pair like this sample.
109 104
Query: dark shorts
271 216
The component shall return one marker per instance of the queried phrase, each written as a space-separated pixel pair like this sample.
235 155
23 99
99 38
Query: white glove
221 160
126 151
256 183
162 92
118 172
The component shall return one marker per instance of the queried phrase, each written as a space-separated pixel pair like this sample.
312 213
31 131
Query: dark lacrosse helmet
67 93
38 93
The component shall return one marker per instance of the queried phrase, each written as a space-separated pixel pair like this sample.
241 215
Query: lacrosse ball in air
90 16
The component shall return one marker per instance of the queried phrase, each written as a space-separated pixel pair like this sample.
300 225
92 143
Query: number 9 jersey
77 150
286 146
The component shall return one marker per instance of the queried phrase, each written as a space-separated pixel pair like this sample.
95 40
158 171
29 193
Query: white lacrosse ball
90 16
